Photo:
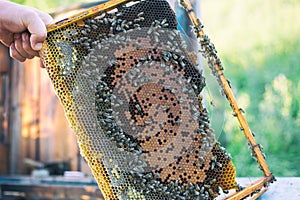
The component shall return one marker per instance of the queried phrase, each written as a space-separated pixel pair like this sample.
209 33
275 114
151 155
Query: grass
258 42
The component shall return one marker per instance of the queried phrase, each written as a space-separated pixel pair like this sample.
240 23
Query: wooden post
38 128
4 58
15 118
4 105
57 140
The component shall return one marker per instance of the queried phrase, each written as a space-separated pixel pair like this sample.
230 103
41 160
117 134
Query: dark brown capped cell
132 94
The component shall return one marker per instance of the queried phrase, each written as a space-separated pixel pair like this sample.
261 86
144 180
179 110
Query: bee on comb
132 94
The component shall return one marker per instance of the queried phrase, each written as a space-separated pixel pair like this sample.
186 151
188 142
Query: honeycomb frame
62 85
260 186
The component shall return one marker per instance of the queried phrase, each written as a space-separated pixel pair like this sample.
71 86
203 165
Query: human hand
22 29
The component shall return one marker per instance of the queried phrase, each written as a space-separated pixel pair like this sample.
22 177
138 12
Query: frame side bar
256 148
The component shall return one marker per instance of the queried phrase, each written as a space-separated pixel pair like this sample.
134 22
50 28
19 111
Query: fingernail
38 46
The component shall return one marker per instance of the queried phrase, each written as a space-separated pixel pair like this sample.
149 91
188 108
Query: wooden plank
38 128
58 141
30 110
46 192
5 94
16 80
4 106
46 134
4 58
3 159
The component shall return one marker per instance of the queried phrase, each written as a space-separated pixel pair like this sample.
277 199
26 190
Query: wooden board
3 159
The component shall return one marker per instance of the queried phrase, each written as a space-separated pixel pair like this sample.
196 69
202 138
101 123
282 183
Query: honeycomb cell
132 94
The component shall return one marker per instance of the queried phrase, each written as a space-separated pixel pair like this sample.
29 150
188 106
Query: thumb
37 28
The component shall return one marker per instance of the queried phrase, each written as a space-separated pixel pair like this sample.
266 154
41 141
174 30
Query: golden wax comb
132 94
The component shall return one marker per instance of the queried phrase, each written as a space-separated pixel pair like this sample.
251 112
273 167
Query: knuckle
27 46
30 56
13 53
29 14
18 46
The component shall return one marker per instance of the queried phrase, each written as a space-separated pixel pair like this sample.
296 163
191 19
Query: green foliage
46 6
260 47
19 1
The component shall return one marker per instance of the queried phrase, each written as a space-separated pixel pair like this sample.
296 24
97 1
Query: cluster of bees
132 93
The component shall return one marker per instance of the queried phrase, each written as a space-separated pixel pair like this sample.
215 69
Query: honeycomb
132 94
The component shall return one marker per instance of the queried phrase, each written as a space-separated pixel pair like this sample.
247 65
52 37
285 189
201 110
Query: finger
15 54
19 46
27 46
37 29
6 38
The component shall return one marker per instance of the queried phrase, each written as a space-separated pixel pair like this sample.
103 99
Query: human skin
22 29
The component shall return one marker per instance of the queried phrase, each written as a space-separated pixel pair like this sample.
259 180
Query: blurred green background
259 44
